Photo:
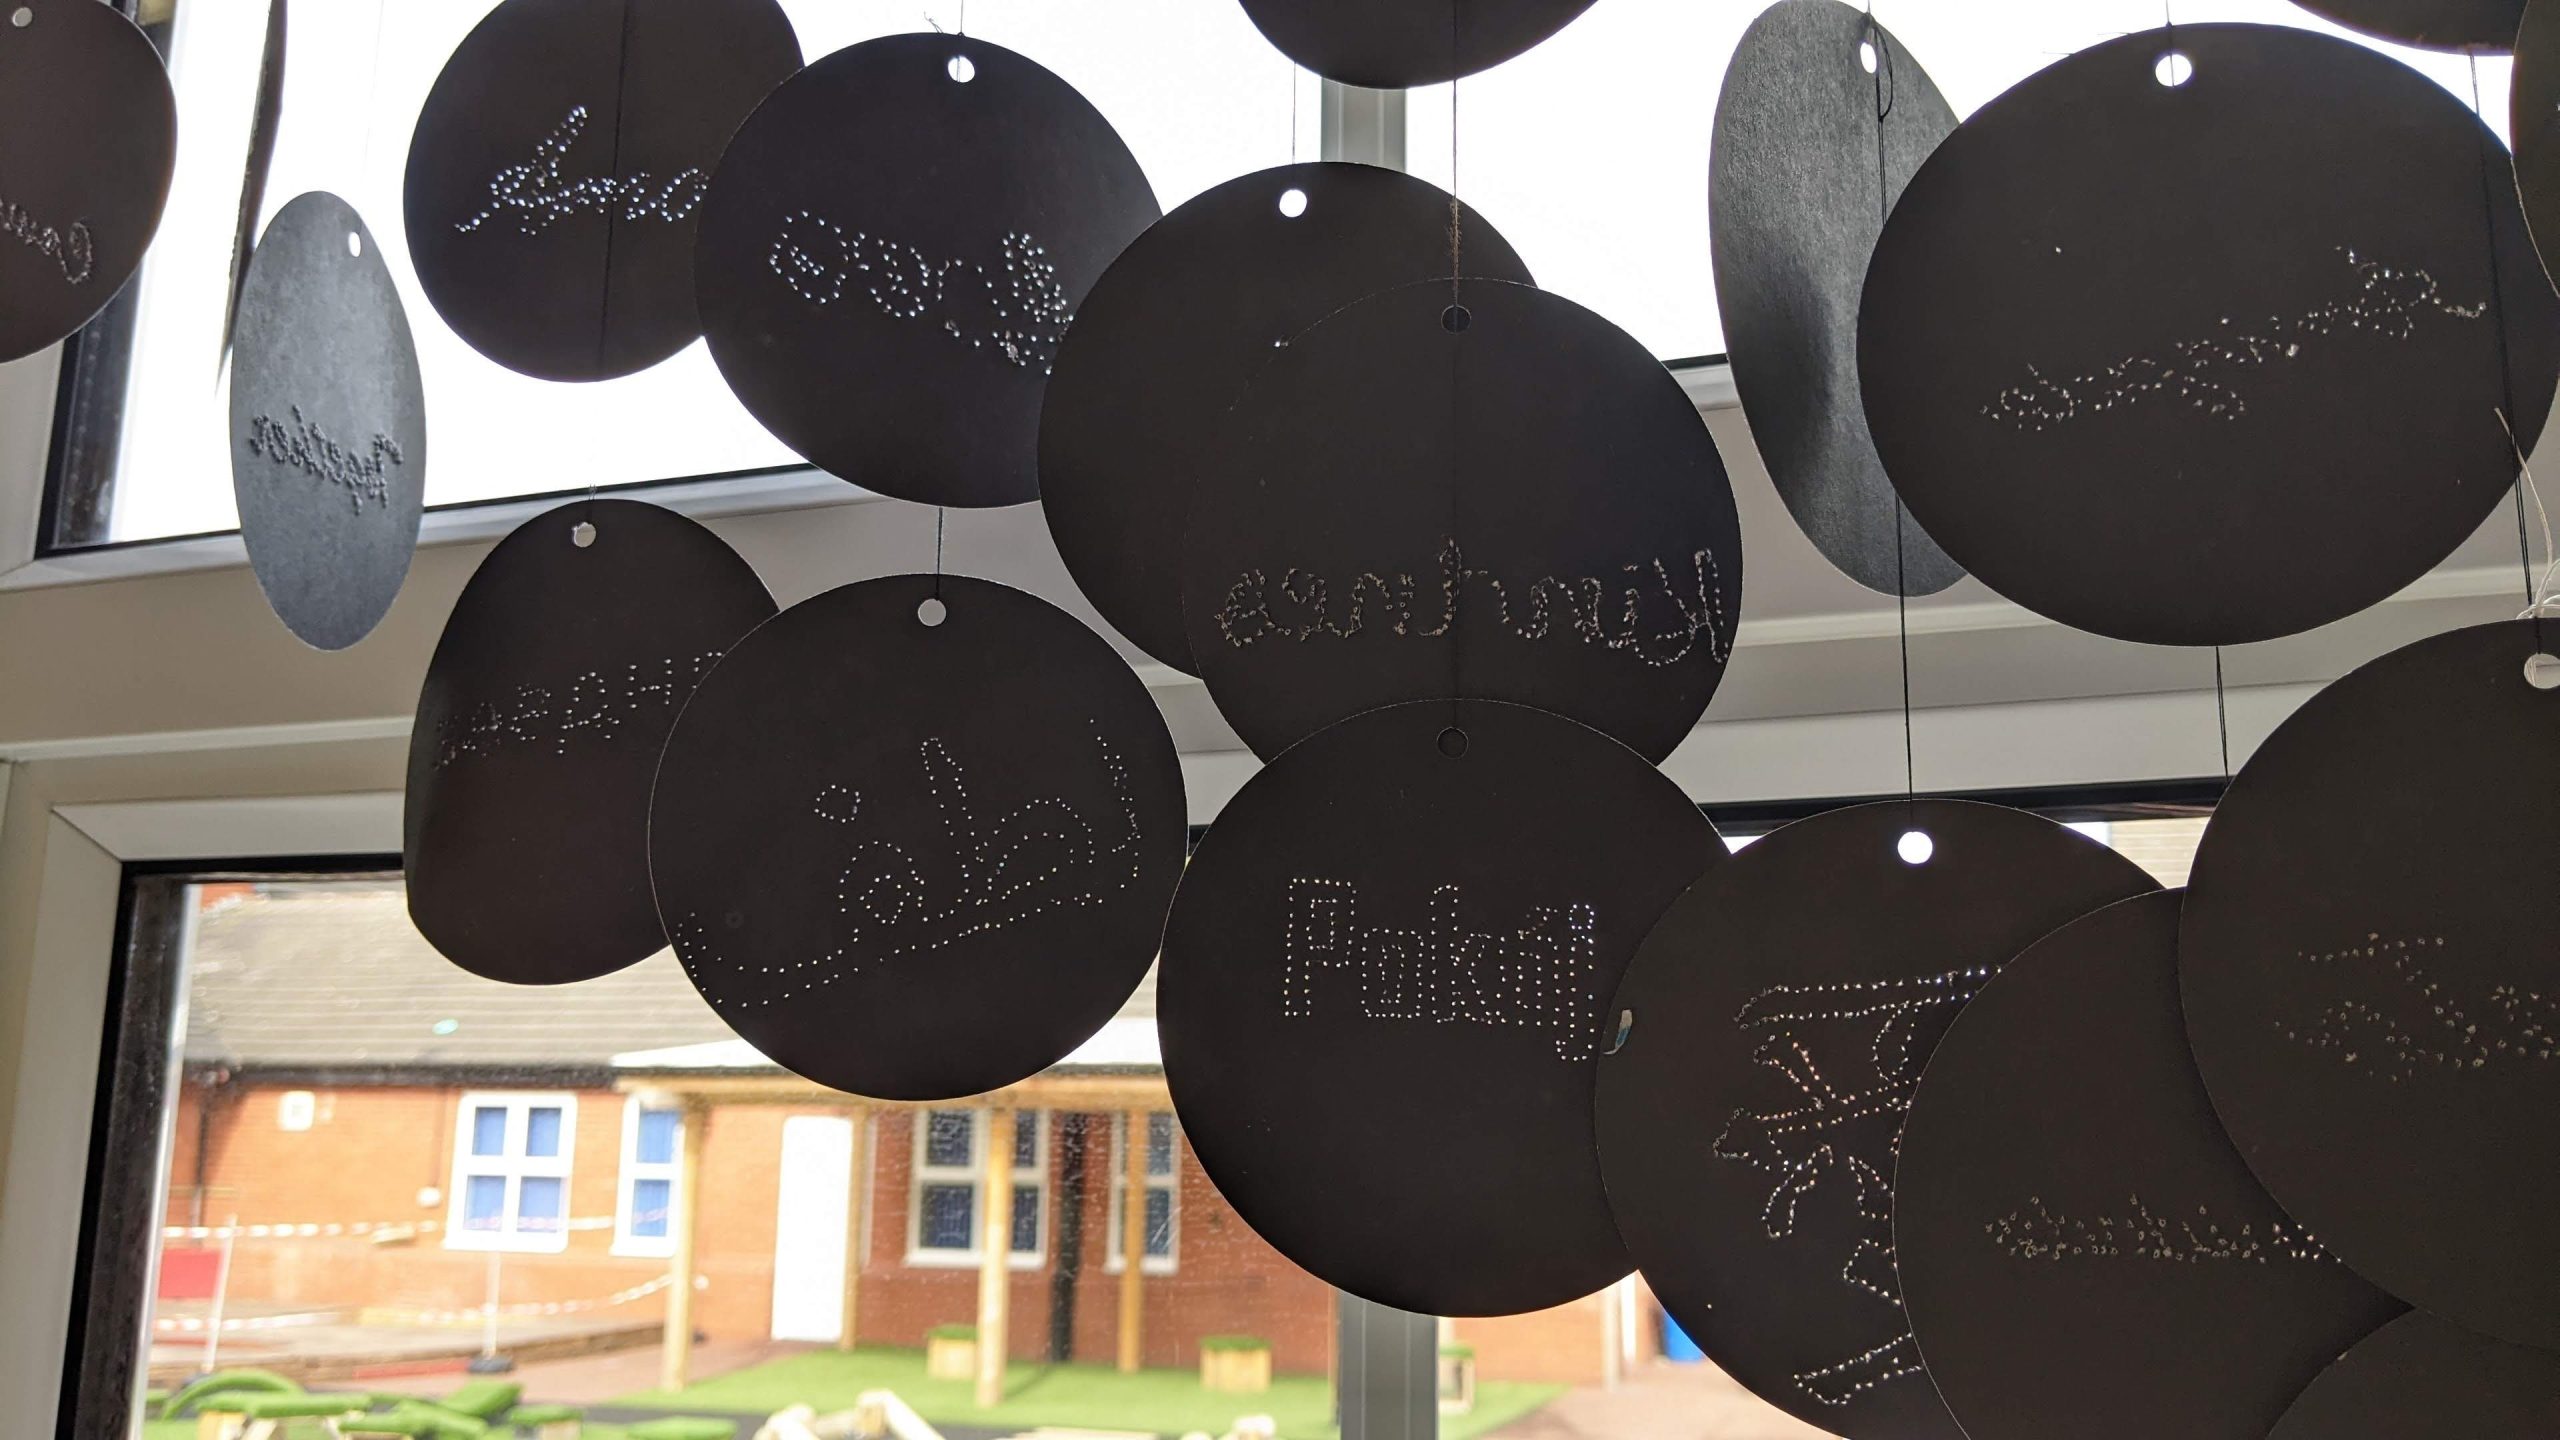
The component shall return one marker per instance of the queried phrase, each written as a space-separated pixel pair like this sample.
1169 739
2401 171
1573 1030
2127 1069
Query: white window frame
634 1170
1170 1182
920 1174
514 1165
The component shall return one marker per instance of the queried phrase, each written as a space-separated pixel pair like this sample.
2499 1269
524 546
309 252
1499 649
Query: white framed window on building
511 1156
645 1195
943 1188
1163 1202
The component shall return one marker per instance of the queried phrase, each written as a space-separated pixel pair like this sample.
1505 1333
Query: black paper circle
328 423
1801 177
2211 361
2482 27
2070 1219
1399 44
558 166
2371 983
1506 498
914 838
1382 992
1178 326
1779 1018
91 138
560 672
2534 120
2420 1376
889 305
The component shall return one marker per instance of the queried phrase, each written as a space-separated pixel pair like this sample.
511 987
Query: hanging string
604 284
940 513
1883 72
1294 87
2535 592
2222 714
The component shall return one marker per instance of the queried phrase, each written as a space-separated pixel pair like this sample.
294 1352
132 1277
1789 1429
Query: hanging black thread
2222 714
1901 580
604 285
939 514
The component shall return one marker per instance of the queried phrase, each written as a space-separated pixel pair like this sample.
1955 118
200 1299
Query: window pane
542 1132
538 1209
945 1218
484 1202
649 1201
489 1130
1190 85
1026 1219
1026 1140
1159 1223
946 1139
657 1139
1159 1144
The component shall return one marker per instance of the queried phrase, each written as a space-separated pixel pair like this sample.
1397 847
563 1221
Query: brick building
429 1140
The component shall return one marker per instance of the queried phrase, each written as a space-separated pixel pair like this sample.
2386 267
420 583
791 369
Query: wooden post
675 1353
995 1253
1133 1238
857 1211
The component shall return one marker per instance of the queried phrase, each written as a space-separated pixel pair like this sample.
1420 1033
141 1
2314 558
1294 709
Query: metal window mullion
1363 126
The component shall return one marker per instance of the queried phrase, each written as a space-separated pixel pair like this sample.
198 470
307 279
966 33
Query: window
1192 87
1590 152
511 1172
1163 1193
943 1198
644 1208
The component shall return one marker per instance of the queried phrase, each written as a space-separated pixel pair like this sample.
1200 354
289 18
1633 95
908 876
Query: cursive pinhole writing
1017 311
538 195
70 247
1610 613
308 448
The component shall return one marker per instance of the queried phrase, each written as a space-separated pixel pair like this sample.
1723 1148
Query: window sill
630 1249
1152 1267
968 1260
506 1244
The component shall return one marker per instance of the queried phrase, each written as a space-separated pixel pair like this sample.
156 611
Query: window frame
633 1170
920 1174
1115 1255
514 1167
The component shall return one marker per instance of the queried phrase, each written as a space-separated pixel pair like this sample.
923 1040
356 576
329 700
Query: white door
809 1228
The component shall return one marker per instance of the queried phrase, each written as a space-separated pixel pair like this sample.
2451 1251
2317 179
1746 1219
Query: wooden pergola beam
995 1257
1133 1240
675 1352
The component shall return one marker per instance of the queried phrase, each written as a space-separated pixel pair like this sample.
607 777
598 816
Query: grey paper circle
558 165
2180 430
1525 507
1781 1012
2371 982
2421 1376
918 857
88 137
328 423
1802 174
1173 333
1382 989
889 303
2070 1218
553 687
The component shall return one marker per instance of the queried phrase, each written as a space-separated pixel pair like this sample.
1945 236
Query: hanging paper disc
1175 330
1382 990
2069 1216
558 166
1401 44
560 672
2371 982
328 423
889 305
1780 1015
91 135
2420 1376
918 858
1802 175
2165 430
2482 27
2534 121
1508 499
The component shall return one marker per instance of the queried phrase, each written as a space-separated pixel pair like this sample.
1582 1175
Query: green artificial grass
1168 1402
1228 1343
312 1430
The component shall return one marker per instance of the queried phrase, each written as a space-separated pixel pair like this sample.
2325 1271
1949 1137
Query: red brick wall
369 1152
